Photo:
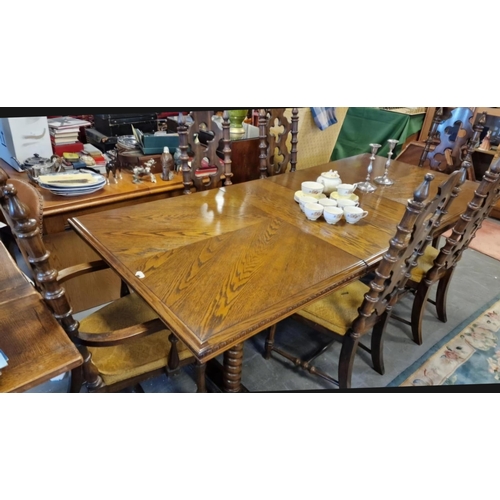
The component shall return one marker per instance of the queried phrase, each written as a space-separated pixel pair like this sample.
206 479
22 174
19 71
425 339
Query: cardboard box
22 138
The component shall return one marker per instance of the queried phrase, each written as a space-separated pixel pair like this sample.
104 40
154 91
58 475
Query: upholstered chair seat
424 264
134 358
339 309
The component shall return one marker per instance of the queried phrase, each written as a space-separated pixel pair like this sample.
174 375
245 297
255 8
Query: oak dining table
222 265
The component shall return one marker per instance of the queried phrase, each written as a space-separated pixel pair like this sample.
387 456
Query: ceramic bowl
335 196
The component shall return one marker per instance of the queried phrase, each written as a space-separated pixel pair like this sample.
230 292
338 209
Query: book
74 147
64 140
56 133
67 122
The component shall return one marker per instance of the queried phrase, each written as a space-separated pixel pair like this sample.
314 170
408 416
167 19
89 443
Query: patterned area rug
468 355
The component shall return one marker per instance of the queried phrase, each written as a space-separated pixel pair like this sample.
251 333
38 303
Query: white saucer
353 197
299 194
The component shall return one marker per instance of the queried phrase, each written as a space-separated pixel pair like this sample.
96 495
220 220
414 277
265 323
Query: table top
36 345
221 265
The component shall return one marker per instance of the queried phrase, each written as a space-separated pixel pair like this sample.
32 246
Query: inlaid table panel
220 265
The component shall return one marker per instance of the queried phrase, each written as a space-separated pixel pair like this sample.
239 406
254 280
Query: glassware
366 186
384 179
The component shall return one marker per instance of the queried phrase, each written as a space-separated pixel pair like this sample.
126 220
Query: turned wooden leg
200 369
377 346
270 341
233 360
76 379
92 378
417 311
441 296
173 355
349 347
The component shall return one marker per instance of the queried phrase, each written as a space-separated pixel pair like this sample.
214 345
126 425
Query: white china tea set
331 198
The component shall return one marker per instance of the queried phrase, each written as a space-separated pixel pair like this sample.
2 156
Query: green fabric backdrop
363 126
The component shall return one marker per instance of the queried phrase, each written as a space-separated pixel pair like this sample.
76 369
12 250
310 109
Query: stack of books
64 133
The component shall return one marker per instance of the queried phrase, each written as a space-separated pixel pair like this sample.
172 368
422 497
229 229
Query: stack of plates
72 183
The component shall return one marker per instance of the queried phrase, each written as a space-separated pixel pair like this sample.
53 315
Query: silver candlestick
384 179
366 186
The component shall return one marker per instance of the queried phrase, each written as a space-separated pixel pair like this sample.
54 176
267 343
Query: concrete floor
476 282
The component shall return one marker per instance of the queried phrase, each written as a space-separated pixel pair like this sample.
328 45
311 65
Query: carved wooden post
294 141
184 158
263 144
437 119
467 161
233 360
28 236
227 148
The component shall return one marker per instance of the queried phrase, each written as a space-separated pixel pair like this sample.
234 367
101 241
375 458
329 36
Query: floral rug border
446 362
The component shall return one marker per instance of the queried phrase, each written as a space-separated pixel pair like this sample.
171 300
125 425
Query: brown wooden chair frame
192 175
414 233
270 142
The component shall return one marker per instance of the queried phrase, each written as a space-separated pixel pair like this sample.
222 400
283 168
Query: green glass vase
236 117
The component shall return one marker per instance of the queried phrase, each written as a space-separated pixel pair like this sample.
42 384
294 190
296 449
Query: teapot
37 165
330 180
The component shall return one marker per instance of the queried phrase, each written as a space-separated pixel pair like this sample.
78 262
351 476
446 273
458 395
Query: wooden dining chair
123 343
357 309
204 170
277 141
438 265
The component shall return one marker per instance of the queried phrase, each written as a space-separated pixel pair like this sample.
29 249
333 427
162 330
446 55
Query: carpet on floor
467 355
487 240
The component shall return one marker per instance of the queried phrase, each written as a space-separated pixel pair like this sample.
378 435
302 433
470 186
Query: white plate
299 194
76 192
335 196
97 179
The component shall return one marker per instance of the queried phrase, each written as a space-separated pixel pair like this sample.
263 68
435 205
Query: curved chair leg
270 341
378 344
173 356
441 295
349 347
417 311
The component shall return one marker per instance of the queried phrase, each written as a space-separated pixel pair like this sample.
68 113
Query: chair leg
417 311
200 370
441 295
92 378
270 341
76 379
173 355
349 347
377 346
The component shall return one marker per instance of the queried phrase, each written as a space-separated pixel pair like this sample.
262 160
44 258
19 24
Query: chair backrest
464 230
413 234
274 130
450 138
202 137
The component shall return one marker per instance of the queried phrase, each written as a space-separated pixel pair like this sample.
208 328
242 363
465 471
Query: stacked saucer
72 183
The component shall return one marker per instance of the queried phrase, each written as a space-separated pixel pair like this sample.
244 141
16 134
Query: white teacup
313 211
354 214
332 214
306 199
327 202
346 189
346 202
311 187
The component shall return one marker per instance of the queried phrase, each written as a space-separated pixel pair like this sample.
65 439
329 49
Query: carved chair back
451 139
463 232
414 233
274 131
202 137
